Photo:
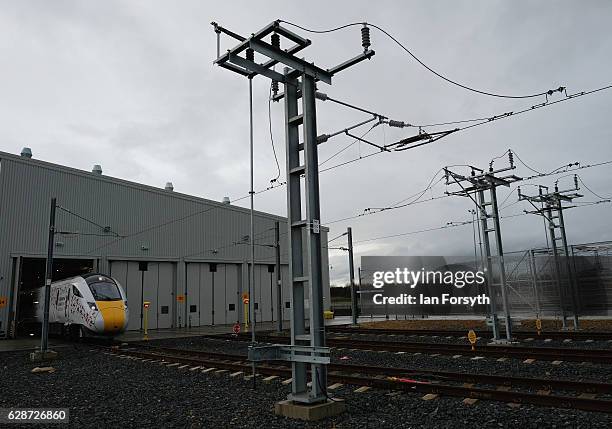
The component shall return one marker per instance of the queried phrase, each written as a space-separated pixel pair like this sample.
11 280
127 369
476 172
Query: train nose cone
113 314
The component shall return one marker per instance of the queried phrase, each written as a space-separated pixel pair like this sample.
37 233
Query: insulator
398 124
365 37
275 40
321 96
576 181
556 187
322 138
511 158
250 54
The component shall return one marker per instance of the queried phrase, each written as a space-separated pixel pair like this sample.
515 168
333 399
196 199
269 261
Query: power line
432 138
347 146
568 168
104 228
234 243
369 211
335 238
273 186
448 225
521 161
590 190
401 45
421 193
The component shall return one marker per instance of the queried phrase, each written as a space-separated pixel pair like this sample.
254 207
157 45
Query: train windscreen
105 291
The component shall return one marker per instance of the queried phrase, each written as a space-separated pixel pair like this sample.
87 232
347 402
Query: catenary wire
590 190
417 59
85 219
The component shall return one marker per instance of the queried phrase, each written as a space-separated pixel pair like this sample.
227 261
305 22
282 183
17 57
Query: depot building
188 256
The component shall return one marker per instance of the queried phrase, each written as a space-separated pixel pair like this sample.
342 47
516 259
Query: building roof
127 183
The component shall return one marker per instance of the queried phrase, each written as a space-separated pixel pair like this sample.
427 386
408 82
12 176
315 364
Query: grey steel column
251 233
212 297
360 294
570 277
313 235
487 262
279 285
502 268
44 339
534 281
294 225
352 277
551 232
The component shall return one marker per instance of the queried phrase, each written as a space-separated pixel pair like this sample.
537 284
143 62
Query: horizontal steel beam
295 63
219 29
359 58
290 35
258 69
292 50
235 68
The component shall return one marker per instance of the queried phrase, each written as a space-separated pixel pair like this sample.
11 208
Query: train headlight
93 306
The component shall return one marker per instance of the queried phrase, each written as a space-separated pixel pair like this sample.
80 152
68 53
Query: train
90 305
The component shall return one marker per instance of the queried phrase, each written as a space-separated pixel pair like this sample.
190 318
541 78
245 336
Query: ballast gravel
488 365
102 390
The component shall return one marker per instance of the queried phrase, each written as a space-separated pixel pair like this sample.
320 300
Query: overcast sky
130 85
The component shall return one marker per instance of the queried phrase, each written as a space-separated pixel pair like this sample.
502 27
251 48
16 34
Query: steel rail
592 335
391 383
542 353
431 375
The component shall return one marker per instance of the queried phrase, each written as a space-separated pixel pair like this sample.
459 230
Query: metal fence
583 282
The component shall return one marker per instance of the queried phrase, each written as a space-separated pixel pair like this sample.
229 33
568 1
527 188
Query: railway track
555 335
603 356
551 393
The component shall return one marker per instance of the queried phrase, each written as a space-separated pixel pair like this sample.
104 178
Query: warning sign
180 298
236 328
245 300
3 301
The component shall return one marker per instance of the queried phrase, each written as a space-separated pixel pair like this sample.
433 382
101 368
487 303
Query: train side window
232 307
164 309
76 292
193 308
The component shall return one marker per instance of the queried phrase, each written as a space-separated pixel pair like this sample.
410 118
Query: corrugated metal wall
159 225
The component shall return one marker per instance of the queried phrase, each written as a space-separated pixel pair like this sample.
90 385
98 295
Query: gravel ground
105 391
541 369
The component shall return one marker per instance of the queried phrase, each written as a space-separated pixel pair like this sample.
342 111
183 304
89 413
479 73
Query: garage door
212 293
147 281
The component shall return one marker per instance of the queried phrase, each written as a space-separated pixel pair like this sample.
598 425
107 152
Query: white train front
92 304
